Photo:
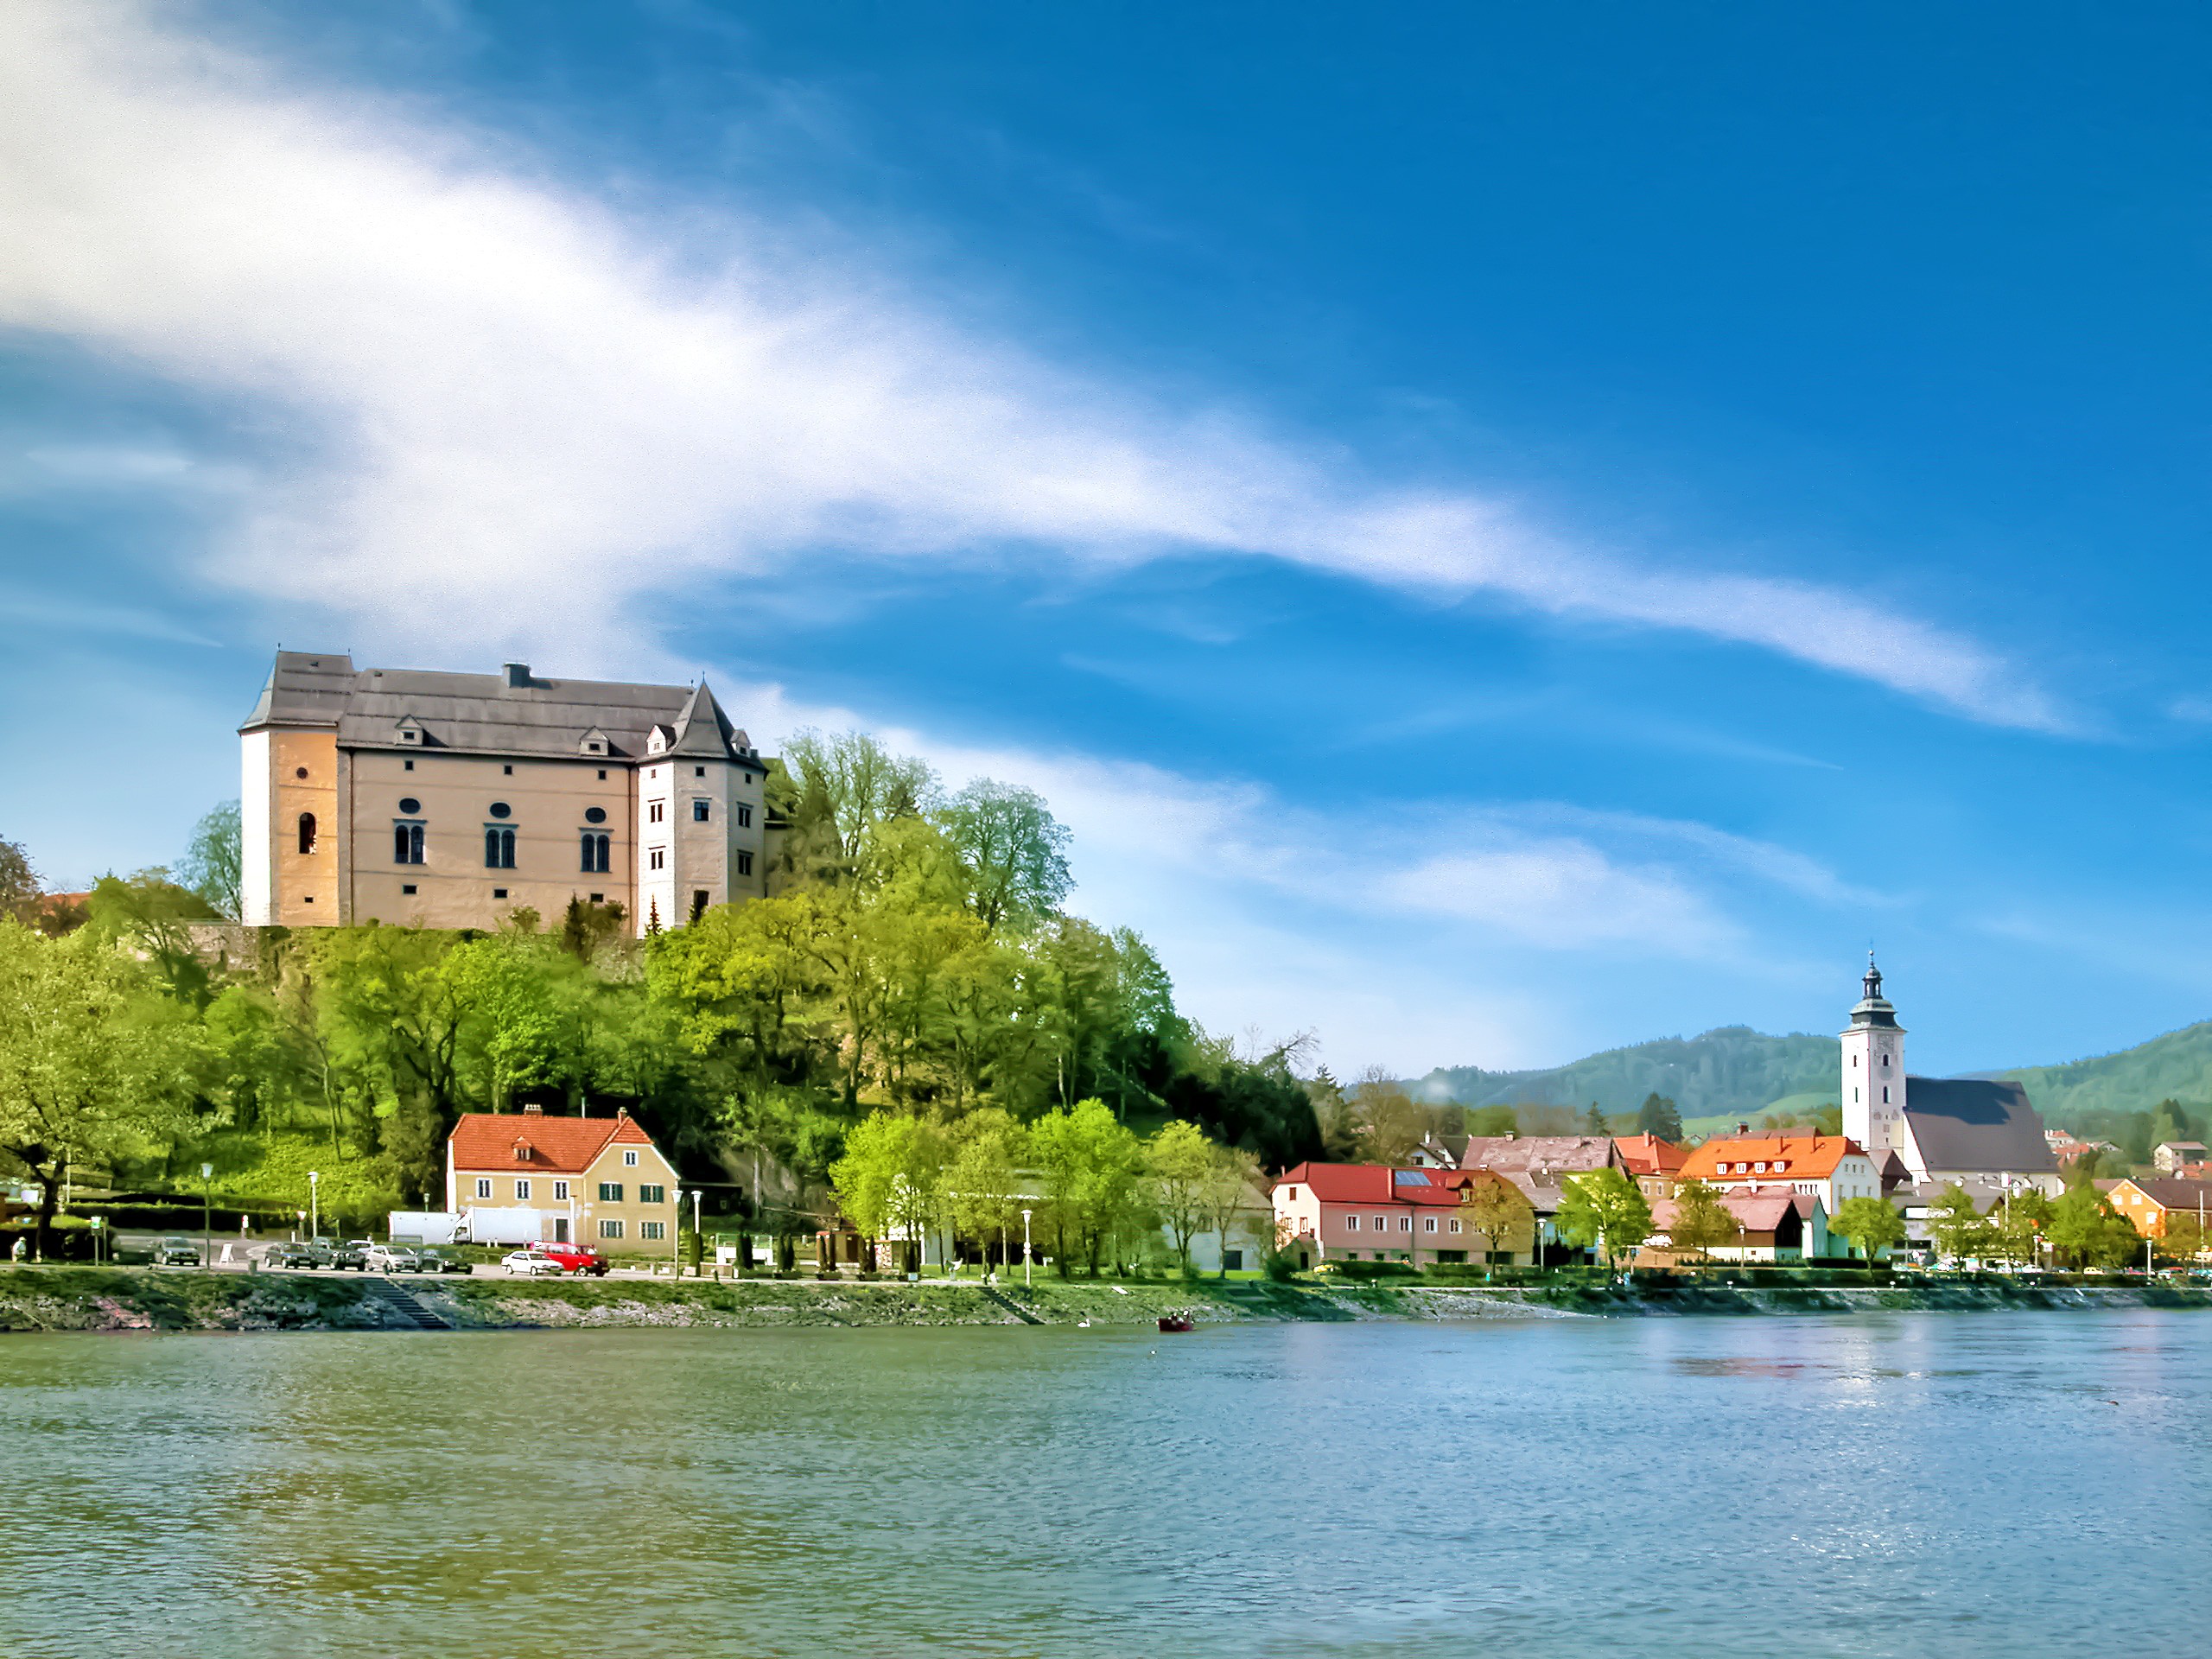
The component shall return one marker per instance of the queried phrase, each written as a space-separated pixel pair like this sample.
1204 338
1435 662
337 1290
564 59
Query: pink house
1370 1212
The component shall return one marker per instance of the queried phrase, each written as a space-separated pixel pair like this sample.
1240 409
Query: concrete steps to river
405 1304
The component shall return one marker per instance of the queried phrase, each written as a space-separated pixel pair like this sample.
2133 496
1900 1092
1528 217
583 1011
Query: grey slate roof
1569 1154
1976 1123
514 712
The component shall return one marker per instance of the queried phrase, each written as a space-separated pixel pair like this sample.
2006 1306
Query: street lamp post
678 1235
1025 1281
206 1218
700 1266
315 1205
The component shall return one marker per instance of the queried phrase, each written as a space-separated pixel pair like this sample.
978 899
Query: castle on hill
453 800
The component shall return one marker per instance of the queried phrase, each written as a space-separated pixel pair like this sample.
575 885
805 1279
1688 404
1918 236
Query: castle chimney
517 675
533 1109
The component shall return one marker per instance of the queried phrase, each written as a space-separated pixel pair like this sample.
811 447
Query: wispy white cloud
524 407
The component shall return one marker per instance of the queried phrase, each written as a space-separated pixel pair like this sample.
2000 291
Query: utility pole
206 1218
1026 1279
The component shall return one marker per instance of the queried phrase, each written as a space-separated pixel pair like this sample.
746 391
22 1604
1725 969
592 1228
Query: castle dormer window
594 742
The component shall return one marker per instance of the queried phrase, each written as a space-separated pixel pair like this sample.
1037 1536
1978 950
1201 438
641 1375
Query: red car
573 1258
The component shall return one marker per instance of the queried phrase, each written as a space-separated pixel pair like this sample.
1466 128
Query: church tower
1874 1073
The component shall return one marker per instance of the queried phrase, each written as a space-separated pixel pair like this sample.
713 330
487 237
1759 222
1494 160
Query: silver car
391 1258
532 1262
175 1253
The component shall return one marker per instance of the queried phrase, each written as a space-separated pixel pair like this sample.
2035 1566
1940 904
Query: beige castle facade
453 800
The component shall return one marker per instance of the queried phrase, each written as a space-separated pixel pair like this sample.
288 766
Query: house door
560 1230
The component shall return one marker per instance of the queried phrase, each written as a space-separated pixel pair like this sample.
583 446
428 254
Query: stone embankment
94 1298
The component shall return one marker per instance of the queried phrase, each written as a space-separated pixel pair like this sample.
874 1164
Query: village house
1773 1224
1828 1166
1371 1212
598 1181
1656 1164
2154 1203
2172 1156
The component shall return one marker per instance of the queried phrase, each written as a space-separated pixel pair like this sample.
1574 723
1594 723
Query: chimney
517 675
1743 1128
533 1109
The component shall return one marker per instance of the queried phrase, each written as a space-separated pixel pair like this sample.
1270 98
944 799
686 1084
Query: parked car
433 1260
574 1258
332 1254
530 1262
289 1255
175 1253
390 1258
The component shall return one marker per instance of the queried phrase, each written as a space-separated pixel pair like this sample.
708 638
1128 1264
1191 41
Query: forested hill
1733 1070
2177 1066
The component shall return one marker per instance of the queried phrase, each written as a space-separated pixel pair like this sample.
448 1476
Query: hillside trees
94 1062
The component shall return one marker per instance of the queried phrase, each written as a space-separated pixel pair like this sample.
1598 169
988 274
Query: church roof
1976 1123
514 712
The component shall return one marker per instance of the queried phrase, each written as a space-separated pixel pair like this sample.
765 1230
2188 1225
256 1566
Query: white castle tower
1873 1074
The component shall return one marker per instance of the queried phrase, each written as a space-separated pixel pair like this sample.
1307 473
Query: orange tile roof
1804 1157
1647 1155
565 1146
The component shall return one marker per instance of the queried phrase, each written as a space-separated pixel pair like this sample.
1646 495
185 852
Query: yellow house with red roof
595 1181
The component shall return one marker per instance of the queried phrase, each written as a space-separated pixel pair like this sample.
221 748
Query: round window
594 815
500 810
409 804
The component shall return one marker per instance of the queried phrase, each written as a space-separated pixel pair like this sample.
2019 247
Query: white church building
1973 1130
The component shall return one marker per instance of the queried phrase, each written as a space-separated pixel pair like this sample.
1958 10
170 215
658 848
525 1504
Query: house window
699 811
602 774
1885 1094
410 765
1428 1223
498 893
653 1194
596 853
610 1191
307 832
654 810
406 843
598 898
1381 1225
698 903
652 1229
407 887
498 848
1352 1223
1885 1062
1405 1223
745 863
508 771
1232 1261
744 815
595 814
522 1189
409 805
1455 1223
560 1192
656 858
610 1229
483 1189
629 1159
501 810
698 771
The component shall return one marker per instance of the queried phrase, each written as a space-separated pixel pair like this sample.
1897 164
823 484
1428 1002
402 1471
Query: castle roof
511 712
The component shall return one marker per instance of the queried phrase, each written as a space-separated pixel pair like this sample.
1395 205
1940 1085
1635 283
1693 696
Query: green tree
1604 1208
1014 851
1593 1121
153 916
1486 1122
2020 1224
212 865
1659 1116
891 1177
2087 1231
1090 1161
1178 1160
1494 1210
1956 1227
21 890
1702 1219
1226 1200
1870 1224
94 1064
1390 1124
984 1178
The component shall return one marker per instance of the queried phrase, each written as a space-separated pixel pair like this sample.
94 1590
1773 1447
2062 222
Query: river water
1956 1485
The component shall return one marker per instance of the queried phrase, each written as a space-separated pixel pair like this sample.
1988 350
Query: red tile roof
563 1146
1802 1157
1375 1184
1647 1155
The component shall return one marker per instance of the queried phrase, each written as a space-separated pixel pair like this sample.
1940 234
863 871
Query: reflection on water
1894 1484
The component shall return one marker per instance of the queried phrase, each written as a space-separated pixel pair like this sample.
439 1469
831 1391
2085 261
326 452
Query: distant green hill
2177 1066
1734 1072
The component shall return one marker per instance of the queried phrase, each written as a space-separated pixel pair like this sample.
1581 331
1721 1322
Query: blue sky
1506 531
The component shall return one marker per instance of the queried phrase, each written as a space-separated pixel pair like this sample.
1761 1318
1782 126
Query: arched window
406 843
498 849
595 862
307 832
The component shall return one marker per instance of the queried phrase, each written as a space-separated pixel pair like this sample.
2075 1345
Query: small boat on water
1175 1322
